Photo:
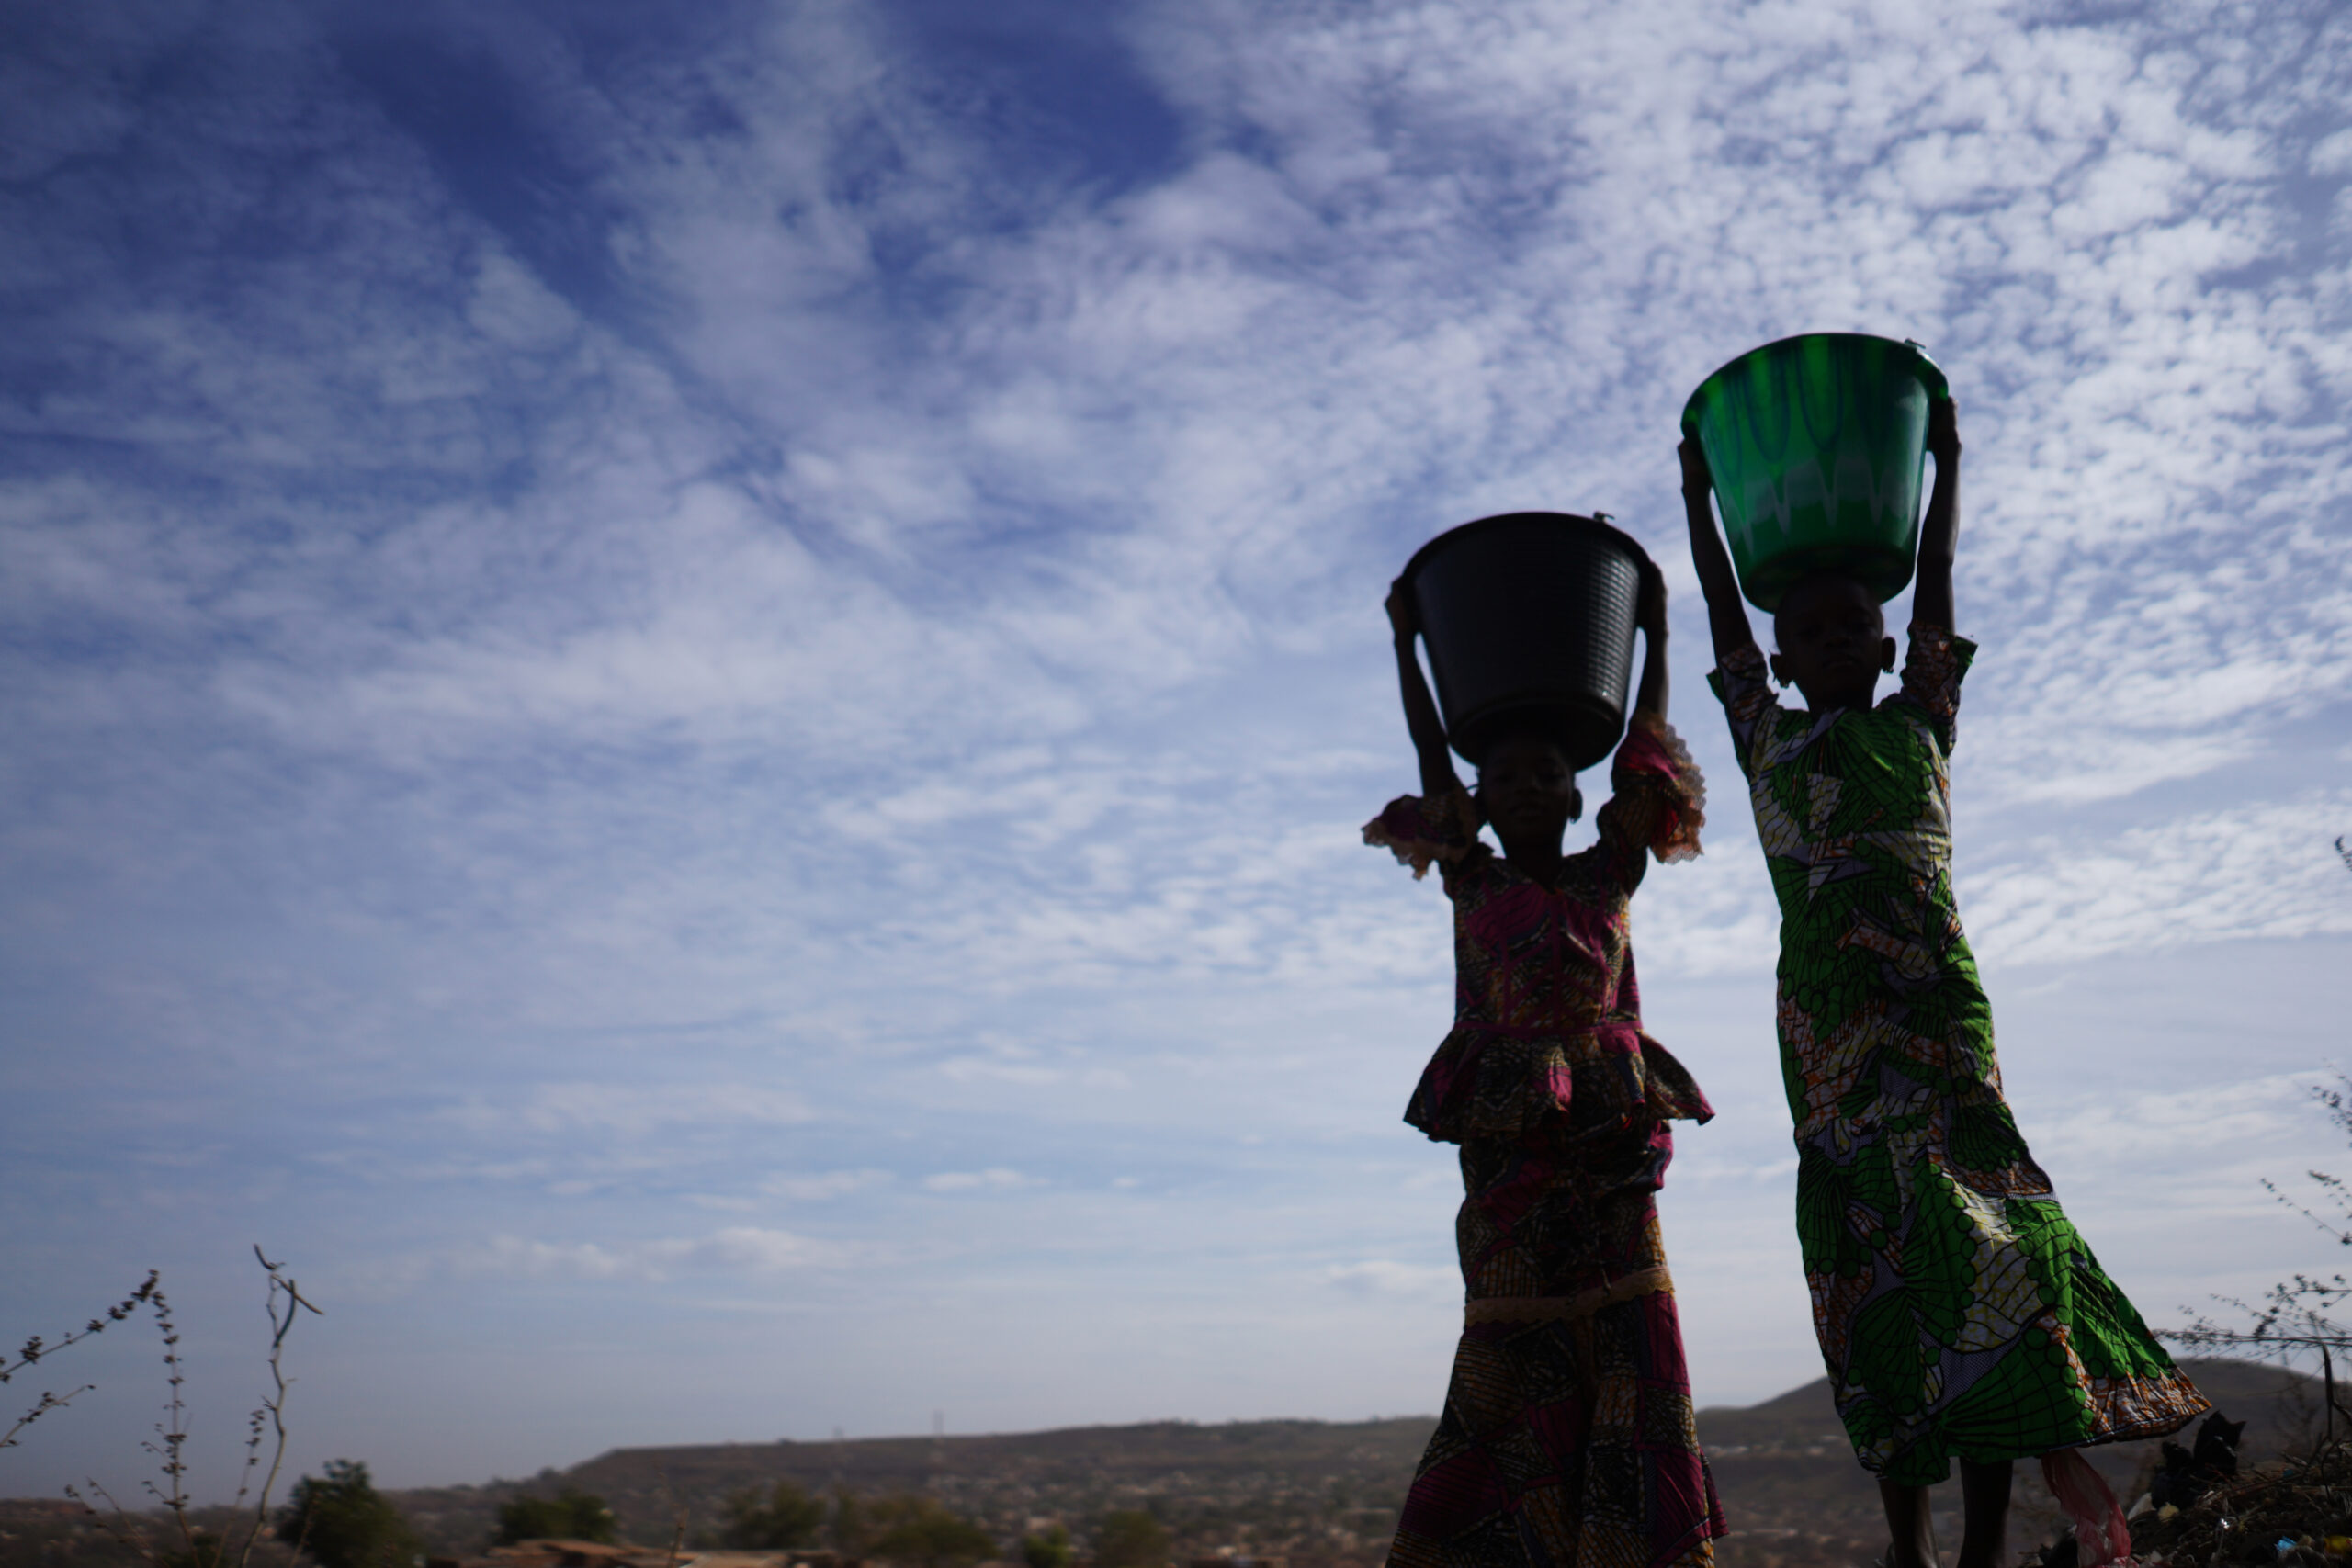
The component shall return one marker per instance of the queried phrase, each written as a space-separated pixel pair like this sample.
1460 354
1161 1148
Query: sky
689 688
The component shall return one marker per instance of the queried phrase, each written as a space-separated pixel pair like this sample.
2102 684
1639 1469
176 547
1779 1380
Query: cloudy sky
688 687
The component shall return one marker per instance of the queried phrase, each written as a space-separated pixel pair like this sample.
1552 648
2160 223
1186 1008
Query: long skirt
1567 1439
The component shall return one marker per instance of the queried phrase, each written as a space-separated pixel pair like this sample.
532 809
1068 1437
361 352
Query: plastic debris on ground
2201 1511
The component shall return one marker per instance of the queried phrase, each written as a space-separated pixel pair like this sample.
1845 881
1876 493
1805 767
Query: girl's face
1833 642
1527 790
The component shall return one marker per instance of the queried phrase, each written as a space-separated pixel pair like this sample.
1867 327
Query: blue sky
689 688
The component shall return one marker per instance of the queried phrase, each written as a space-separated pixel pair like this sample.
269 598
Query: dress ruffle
1547 1035
1486 1081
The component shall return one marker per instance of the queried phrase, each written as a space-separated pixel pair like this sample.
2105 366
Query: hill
1260 1485
1322 1494
1317 1491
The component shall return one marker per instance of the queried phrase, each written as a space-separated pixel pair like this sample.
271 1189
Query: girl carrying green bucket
1960 1314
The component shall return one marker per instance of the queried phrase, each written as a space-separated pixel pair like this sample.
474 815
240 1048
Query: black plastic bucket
1529 621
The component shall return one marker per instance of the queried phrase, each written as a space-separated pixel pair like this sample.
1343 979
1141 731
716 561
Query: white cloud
2253 872
996 1178
749 1249
515 1257
2330 155
826 1186
737 1249
1385 1277
635 1110
2242 1118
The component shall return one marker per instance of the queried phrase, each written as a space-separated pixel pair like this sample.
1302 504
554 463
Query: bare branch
36 1348
49 1402
679 1517
285 1303
121 1526
171 1433
2297 1315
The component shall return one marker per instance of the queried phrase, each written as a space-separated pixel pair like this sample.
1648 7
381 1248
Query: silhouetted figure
1567 1439
1961 1313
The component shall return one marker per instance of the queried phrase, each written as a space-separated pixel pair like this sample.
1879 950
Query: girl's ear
1886 654
1779 675
1576 803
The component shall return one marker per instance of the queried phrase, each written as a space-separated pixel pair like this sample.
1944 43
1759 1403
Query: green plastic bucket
1817 444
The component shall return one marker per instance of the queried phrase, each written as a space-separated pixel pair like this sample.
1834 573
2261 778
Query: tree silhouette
1050 1550
1129 1538
787 1517
341 1521
569 1515
915 1528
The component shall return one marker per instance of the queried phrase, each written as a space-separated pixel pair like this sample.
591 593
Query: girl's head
1832 641
1527 789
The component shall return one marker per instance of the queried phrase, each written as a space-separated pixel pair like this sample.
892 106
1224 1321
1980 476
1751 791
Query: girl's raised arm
1727 617
1438 777
1940 535
1649 614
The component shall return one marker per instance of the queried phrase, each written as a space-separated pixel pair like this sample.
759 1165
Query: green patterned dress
1960 1313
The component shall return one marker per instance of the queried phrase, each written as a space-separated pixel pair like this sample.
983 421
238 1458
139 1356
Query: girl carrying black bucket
1961 1316
1567 1439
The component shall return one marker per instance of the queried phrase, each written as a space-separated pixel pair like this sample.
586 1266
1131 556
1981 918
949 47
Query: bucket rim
1480 525
1930 374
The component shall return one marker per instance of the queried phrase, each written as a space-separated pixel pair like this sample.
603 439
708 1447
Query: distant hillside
1323 1492
1316 1488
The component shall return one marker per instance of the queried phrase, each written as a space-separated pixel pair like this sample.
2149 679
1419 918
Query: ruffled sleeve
1931 675
1658 801
1741 682
1420 830
1654 760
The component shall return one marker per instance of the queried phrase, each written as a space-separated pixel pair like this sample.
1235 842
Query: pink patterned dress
1567 1438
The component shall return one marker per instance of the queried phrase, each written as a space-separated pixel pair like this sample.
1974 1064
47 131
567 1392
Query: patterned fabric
1547 1011
1959 1311
1567 1439
1566 1442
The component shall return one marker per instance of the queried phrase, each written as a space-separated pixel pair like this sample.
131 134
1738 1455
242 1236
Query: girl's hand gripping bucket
1817 444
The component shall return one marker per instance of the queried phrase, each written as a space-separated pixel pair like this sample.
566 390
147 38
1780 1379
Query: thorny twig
171 1433
2296 1313
36 1348
48 1402
678 1514
122 1526
285 1304
272 1410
